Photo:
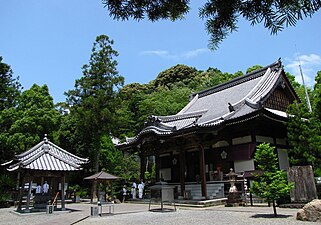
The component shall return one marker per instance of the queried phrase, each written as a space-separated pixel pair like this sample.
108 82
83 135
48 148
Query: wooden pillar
52 187
202 172
63 203
182 170
18 180
92 192
22 184
42 181
157 161
142 166
111 190
29 196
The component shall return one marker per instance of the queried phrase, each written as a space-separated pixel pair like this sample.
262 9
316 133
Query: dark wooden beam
63 181
142 166
202 171
157 160
182 170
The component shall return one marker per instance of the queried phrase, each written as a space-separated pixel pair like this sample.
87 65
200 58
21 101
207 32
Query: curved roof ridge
34 148
149 128
68 153
265 87
260 89
71 163
238 80
32 158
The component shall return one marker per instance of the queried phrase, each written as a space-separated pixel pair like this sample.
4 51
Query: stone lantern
232 179
234 198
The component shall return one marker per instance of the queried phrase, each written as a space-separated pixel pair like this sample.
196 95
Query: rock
310 212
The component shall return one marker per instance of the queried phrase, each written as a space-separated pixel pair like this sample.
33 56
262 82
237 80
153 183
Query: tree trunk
274 208
95 192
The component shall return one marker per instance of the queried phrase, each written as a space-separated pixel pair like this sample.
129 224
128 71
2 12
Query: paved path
133 214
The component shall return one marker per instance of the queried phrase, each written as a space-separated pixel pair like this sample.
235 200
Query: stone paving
130 214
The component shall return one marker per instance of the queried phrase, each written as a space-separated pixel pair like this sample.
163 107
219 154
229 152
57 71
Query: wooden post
29 196
63 180
18 180
21 192
202 172
157 159
182 171
142 166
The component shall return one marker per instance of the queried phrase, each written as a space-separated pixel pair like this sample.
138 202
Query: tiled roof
47 156
209 108
102 176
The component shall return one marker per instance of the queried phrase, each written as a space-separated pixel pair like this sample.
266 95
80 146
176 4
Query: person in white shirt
133 190
38 189
140 189
45 187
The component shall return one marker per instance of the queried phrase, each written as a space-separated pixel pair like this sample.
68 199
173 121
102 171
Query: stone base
234 199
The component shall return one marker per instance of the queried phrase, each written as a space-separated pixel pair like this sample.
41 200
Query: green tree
94 100
128 167
253 68
316 96
221 16
174 76
272 184
34 116
304 130
128 113
111 157
163 102
10 90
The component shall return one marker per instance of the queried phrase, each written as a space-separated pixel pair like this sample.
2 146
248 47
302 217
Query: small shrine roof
102 176
47 156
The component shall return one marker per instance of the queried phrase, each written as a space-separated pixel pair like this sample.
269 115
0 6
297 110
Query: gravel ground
130 214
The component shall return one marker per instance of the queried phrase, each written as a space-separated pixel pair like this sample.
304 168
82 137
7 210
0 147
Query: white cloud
310 65
194 53
176 56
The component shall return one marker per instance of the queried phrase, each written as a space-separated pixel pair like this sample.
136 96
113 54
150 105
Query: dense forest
101 108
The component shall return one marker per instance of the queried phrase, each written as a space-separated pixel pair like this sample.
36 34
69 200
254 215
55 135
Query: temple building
42 173
217 130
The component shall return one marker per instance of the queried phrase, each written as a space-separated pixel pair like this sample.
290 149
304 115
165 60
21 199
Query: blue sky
47 42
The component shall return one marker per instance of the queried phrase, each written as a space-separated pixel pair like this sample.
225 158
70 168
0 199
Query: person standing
140 189
133 190
124 193
38 189
45 187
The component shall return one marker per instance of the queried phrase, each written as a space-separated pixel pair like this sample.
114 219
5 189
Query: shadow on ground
269 216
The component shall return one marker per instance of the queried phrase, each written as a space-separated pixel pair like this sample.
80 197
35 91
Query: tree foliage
94 99
34 116
9 86
272 184
10 90
173 76
221 16
304 130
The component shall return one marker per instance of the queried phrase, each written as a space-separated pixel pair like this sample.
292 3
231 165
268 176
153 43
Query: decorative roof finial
45 139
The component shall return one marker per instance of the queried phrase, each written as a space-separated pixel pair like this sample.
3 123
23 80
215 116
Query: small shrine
41 175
